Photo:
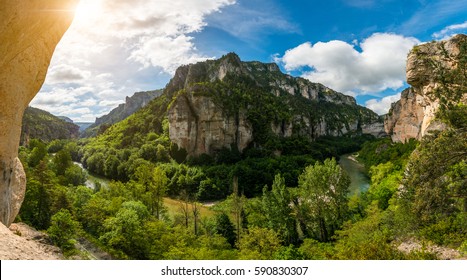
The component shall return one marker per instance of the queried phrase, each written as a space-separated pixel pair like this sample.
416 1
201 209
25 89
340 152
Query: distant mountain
67 119
43 125
131 105
83 125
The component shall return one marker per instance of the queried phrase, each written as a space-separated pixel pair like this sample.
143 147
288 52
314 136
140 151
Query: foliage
385 180
278 212
368 239
259 244
39 124
322 202
314 250
225 228
384 150
63 230
435 184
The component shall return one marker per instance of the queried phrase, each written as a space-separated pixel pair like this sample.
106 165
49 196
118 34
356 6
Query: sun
88 11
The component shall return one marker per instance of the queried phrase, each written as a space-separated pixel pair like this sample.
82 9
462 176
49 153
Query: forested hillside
40 124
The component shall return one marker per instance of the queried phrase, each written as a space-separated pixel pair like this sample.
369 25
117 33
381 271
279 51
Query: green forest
287 207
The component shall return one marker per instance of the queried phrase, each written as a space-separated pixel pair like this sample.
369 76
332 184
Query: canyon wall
431 71
227 102
29 33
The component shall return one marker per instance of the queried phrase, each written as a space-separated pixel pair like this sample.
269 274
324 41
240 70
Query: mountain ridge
122 111
213 101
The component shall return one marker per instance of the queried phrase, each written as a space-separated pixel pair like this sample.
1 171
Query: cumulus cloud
115 48
379 65
64 73
179 50
450 30
383 105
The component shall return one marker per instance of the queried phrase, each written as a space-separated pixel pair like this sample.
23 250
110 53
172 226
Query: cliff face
227 102
29 32
131 105
431 73
197 125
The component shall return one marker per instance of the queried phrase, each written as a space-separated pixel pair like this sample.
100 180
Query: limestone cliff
29 32
225 102
433 72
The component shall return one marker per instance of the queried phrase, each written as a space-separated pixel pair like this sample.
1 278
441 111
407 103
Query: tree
435 180
368 239
63 229
36 208
38 152
259 244
225 228
75 175
322 203
157 191
61 162
277 209
385 180
125 231
152 184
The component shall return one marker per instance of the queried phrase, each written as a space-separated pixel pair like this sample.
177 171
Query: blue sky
358 47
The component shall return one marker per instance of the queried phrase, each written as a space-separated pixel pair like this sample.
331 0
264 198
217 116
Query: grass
173 208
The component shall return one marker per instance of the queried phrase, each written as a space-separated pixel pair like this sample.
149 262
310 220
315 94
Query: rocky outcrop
220 103
29 32
21 242
131 105
430 73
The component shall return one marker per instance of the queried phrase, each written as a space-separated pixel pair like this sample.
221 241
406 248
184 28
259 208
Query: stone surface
200 127
413 116
29 32
22 242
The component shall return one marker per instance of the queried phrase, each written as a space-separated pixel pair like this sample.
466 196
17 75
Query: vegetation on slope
39 124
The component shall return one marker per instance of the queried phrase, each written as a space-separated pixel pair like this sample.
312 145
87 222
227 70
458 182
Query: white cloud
179 50
383 105
380 64
64 73
450 30
115 48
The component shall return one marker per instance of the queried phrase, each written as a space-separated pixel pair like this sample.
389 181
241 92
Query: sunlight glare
88 11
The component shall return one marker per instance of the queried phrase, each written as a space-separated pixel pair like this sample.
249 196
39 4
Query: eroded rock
29 33
414 115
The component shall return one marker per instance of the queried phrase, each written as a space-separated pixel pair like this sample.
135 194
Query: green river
359 181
